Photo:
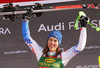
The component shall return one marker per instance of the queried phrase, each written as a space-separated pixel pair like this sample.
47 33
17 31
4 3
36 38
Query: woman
51 56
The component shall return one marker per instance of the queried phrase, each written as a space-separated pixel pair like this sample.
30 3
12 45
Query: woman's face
52 44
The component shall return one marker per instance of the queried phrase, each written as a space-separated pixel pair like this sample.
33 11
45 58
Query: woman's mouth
52 46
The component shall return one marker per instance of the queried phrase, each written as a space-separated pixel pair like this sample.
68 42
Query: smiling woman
54 41
52 44
51 56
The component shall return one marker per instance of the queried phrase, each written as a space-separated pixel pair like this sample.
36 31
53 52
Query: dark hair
46 50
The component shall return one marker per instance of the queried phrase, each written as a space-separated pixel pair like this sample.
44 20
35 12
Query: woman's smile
52 44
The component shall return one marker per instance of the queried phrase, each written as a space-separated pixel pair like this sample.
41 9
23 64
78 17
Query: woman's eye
55 40
50 39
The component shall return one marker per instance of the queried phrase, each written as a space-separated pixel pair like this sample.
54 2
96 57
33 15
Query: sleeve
67 55
29 41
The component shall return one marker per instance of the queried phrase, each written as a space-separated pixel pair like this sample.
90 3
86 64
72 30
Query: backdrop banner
14 53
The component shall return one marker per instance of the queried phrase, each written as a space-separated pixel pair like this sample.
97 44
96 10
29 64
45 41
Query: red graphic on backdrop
8 1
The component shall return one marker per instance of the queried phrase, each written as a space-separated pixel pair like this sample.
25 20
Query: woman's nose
52 42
